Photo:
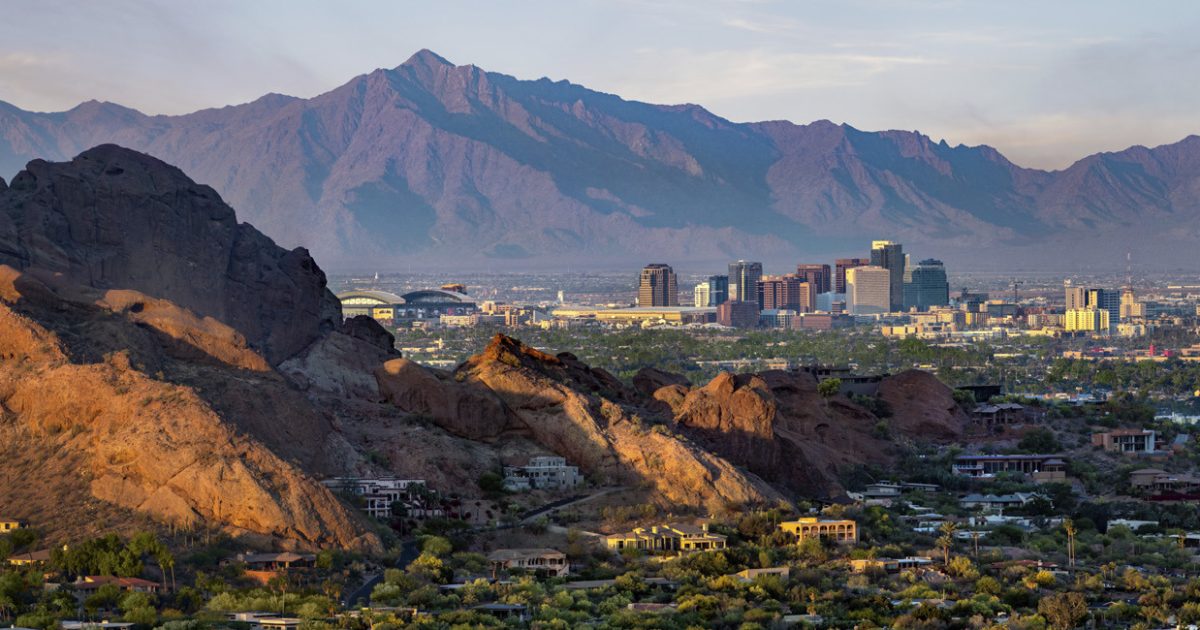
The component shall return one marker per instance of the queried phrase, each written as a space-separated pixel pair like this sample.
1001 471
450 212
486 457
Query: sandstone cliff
584 414
94 378
704 446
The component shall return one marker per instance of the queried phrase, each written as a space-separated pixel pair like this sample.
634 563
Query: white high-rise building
703 294
868 290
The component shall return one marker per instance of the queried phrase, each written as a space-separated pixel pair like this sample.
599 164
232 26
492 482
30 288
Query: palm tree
1071 530
946 540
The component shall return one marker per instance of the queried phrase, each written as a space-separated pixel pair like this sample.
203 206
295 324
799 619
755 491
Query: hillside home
988 418
549 472
89 584
1150 480
998 501
748 575
549 562
888 565
30 558
842 531
9 525
1126 441
1037 467
672 537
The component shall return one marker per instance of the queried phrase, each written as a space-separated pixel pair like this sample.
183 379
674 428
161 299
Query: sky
1044 82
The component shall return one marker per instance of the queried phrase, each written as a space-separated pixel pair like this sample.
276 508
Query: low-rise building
9 525
90 583
1126 441
994 418
998 501
804 528
548 471
672 537
380 494
1038 467
550 562
888 565
1150 480
30 558
749 575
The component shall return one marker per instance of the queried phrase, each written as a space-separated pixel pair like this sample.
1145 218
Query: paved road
408 552
529 516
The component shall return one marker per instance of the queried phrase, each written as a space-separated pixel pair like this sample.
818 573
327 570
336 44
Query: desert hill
740 439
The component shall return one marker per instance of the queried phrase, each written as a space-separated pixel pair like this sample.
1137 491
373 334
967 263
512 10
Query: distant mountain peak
427 58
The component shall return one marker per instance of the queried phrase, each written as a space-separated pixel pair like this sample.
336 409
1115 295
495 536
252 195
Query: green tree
829 387
1063 611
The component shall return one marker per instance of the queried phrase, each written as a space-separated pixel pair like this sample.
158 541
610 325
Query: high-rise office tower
868 290
1106 300
890 256
1076 296
718 290
657 286
713 291
819 276
927 285
839 271
743 280
790 292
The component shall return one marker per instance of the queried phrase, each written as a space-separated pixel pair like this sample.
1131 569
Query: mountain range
432 164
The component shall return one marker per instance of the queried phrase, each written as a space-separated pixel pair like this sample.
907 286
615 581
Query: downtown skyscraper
890 256
743 281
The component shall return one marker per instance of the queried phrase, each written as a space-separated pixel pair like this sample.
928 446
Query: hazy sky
1046 82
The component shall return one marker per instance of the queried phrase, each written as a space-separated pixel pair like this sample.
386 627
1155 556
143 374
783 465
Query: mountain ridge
450 165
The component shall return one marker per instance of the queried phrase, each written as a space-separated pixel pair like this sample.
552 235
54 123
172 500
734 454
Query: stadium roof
383 297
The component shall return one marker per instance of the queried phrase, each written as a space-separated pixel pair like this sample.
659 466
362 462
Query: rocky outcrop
922 406
581 413
132 396
777 426
649 380
117 219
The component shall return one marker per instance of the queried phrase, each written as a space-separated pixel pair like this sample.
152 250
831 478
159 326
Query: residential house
888 565
516 612
380 494
882 490
988 418
1152 480
9 525
672 537
1126 441
275 561
1037 467
749 575
550 562
998 501
804 528
548 471
30 558
263 567
91 583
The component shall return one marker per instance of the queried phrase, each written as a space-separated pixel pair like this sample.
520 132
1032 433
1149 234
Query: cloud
664 76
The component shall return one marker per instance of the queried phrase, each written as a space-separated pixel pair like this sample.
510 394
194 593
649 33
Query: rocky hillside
438 164
740 439
139 324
